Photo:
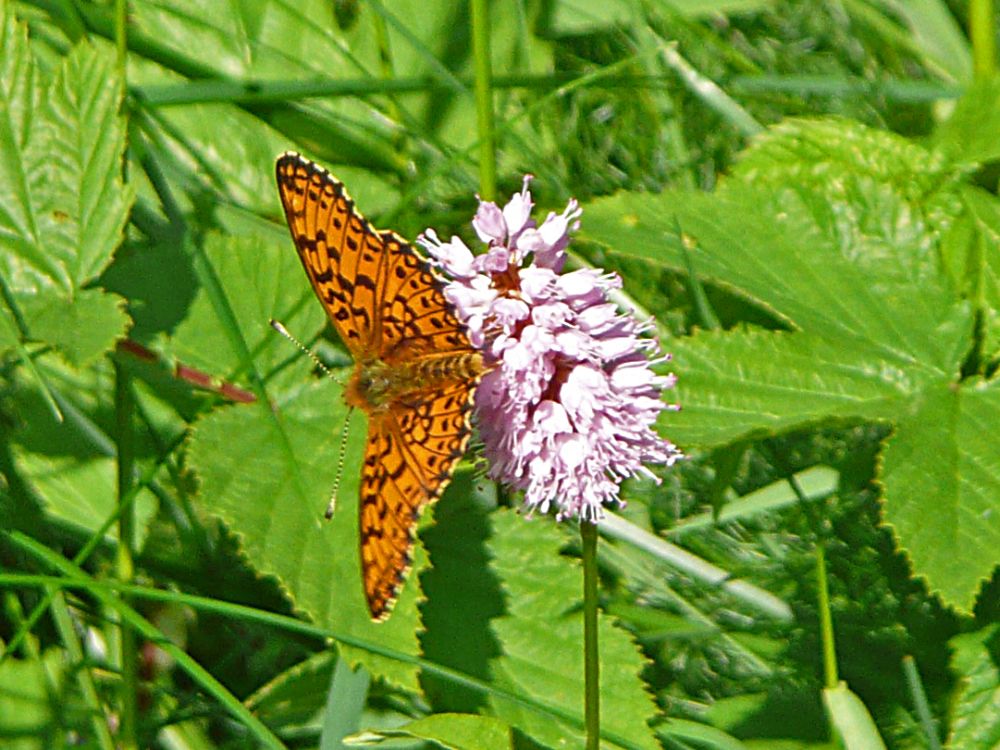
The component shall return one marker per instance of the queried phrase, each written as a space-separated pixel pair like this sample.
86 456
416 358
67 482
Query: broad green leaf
974 259
877 198
261 278
542 640
850 720
756 383
975 713
879 329
450 731
64 204
941 471
28 690
267 469
967 136
83 329
787 262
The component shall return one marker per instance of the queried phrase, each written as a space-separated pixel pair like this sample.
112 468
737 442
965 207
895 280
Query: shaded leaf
975 720
542 640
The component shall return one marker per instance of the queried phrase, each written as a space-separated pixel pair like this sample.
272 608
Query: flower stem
591 663
484 99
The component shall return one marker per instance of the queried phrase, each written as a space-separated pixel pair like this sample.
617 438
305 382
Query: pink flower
566 409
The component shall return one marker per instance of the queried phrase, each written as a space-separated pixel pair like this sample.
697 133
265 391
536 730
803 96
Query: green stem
920 703
592 699
982 31
484 100
121 38
825 621
85 679
124 563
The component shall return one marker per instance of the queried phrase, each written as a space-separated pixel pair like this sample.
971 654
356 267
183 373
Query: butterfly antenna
276 325
332 505
344 432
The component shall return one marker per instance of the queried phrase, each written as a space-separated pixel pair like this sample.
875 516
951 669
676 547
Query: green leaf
451 731
757 383
27 691
879 332
267 469
966 136
850 720
460 572
542 640
876 197
345 702
973 256
261 278
87 327
975 713
64 204
940 471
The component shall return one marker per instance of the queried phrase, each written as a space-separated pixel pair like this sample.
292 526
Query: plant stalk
825 622
124 563
591 662
484 100
982 32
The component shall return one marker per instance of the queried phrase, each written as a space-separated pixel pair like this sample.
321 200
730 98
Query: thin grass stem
830 677
591 654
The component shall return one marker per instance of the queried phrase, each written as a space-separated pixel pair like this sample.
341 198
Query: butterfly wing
412 449
385 302
342 254
414 318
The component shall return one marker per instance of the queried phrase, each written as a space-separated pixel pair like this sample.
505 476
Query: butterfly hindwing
411 452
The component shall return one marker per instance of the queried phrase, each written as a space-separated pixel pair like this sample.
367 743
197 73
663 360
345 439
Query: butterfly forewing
389 308
414 316
341 254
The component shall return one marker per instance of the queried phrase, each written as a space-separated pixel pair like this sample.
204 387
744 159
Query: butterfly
415 371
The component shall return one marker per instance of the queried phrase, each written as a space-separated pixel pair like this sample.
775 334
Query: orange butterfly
414 374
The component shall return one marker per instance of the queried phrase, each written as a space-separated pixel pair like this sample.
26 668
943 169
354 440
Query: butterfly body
415 372
377 384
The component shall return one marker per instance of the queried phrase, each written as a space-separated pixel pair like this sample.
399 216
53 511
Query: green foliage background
802 194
